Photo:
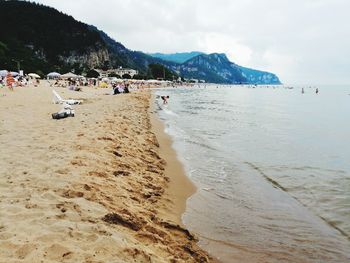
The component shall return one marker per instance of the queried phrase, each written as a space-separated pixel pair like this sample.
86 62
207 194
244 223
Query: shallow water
272 169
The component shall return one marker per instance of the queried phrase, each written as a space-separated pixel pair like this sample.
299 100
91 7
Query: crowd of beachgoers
17 81
116 86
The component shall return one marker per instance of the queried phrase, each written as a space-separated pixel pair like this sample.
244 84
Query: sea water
272 168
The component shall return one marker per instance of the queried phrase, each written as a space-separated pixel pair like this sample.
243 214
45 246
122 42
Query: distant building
120 72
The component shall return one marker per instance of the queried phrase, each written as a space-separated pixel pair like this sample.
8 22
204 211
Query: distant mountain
176 57
259 77
218 69
45 40
119 55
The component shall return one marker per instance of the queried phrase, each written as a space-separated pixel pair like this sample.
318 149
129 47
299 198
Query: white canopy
34 75
153 81
3 73
69 75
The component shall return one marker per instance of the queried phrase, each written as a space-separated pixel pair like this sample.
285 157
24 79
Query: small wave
201 144
279 186
169 112
272 181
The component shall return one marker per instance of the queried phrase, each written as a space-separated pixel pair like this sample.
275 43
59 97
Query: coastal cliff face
218 69
92 58
259 77
211 68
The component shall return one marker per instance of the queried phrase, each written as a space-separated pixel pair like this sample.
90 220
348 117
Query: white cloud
220 43
303 41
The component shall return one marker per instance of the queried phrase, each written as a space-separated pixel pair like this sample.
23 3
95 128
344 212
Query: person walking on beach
10 81
316 90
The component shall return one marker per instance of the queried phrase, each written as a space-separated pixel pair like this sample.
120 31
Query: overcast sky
302 41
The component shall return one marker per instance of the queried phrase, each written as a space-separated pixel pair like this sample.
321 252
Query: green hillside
42 39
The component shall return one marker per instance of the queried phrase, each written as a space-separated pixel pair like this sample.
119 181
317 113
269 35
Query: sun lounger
57 99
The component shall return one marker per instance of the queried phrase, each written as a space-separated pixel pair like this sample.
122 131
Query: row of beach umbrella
52 75
69 75
4 73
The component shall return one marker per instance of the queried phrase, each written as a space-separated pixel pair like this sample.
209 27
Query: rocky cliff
217 68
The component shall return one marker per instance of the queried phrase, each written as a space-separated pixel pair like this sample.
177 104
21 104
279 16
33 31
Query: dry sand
93 188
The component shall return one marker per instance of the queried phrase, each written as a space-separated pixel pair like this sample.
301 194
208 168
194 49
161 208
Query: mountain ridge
178 57
240 73
65 44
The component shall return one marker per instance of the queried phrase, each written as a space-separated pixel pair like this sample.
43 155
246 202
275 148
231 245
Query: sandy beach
103 186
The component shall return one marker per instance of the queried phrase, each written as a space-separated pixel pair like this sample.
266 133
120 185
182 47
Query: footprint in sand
57 252
25 250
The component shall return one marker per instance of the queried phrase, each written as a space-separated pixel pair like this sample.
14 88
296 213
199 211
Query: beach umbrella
34 75
53 75
69 75
3 73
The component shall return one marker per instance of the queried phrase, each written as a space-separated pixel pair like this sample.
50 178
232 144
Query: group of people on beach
18 81
120 88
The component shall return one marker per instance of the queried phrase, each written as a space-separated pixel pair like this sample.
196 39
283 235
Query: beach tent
3 73
69 75
34 75
53 75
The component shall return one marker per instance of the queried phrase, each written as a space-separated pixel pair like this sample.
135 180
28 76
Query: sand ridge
85 189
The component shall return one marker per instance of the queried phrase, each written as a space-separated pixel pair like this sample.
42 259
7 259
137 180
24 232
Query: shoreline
93 188
180 187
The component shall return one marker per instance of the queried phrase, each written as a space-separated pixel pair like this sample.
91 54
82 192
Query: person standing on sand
126 88
316 90
10 81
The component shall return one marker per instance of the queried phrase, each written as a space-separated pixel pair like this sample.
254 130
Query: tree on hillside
126 76
92 74
140 76
113 75
159 71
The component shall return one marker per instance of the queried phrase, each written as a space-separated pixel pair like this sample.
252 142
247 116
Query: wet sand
93 188
180 187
